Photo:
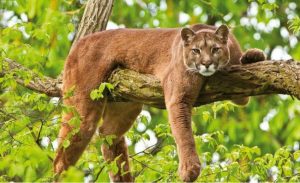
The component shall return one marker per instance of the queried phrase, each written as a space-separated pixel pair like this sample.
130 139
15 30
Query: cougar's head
205 51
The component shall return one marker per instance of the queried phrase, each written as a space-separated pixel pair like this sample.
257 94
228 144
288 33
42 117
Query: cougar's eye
196 51
215 50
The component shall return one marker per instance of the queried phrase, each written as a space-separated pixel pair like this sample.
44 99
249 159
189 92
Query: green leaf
270 6
69 93
109 139
294 24
206 115
295 178
256 150
221 149
66 143
75 122
146 136
114 167
72 175
98 93
30 174
296 155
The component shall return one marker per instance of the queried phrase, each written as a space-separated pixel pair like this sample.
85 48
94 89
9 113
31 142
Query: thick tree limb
267 77
42 84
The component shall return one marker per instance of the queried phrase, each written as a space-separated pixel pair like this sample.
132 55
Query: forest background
256 142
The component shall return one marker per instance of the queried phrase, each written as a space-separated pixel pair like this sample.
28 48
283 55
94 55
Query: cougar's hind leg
88 110
253 55
117 119
77 138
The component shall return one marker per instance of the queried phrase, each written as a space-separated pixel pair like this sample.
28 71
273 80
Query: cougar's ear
222 33
187 35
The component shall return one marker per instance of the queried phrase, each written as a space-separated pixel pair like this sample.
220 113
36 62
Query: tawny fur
164 53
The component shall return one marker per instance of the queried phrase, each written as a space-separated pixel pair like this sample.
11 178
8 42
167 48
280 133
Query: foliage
295 24
99 93
257 142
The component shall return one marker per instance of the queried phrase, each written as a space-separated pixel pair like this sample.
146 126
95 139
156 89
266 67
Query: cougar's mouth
202 69
207 71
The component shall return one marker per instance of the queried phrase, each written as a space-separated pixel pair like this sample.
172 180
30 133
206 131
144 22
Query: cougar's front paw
189 169
253 55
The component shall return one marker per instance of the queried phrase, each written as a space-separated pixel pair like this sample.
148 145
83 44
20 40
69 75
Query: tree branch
42 84
261 78
267 77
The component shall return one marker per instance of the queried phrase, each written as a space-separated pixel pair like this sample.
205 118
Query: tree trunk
95 17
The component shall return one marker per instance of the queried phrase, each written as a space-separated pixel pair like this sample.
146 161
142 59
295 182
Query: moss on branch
262 78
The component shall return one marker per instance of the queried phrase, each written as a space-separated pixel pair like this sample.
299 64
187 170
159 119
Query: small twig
39 133
157 180
142 163
144 151
139 172
33 135
98 174
10 115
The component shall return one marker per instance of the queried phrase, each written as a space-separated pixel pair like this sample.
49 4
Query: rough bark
267 77
42 84
95 17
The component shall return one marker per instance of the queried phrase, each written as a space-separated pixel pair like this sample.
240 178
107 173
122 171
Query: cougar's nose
207 64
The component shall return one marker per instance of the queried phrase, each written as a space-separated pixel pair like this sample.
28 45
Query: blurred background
38 34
